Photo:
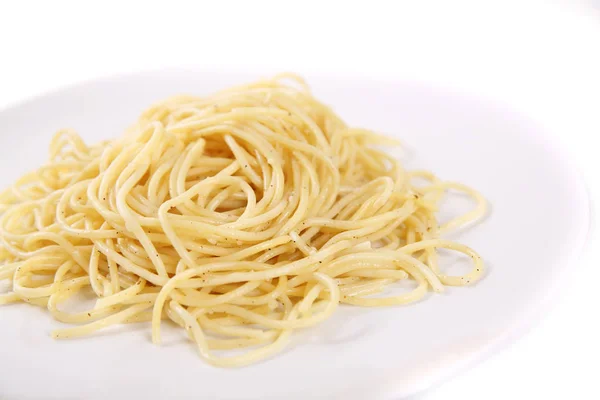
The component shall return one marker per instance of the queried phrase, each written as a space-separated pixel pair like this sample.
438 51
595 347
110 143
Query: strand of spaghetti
113 319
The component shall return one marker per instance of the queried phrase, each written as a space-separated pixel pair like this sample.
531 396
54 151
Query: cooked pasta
241 217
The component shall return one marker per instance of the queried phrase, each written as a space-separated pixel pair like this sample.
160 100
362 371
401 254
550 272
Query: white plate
537 227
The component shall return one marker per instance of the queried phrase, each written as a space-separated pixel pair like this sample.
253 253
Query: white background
542 58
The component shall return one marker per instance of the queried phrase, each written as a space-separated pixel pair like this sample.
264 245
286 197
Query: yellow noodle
241 217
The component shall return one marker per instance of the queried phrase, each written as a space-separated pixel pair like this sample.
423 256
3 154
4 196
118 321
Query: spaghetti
241 217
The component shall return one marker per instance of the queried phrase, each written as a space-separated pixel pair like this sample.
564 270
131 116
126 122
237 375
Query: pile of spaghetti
241 217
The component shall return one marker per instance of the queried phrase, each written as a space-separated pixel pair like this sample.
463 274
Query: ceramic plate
536 228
